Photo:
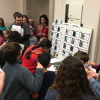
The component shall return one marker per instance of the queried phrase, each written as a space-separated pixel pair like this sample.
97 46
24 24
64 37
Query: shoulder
25 24
87 97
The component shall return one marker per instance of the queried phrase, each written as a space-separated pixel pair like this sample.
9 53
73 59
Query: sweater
25 38
31 63
19 81
52 95
48 80
3 28
45 31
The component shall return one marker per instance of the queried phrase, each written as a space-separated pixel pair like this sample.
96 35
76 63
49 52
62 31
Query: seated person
49 76
18 80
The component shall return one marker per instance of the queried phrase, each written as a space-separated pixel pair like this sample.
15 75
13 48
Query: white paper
53 41
57 42
85 44
55 28
76 42
61 29
54 60
67 47
75 49
86 37
70 33
78 34
51 68
68 39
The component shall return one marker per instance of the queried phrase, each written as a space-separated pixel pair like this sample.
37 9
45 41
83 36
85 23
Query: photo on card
66 33
56 42
55 48
52 27
82 36
63 52
58 22
81 43
57 36
64 46
58 29
74 33
51 33
71 48
72 41
65 38
51 40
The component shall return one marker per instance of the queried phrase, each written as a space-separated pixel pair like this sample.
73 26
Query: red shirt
45 31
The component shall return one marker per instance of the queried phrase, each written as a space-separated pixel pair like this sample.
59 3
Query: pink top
1 41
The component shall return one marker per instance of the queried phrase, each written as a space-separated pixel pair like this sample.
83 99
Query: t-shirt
3 28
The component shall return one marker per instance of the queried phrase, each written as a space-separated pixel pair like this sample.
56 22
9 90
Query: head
11 52
31 30
31 22
14 15
2 22
19 19
71 80
25 19
44 60
14 36
1 33
44 19
6 34
45 44
83 56
41 39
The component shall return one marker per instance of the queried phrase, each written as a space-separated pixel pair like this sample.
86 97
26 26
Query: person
30 57
49 76
41 39
26 29
2 25
42 29
14 15
31 22
1 38
5 35
83 56
33 39
18 80
71 82
25 19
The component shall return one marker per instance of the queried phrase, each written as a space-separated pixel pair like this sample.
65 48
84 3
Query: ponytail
44 43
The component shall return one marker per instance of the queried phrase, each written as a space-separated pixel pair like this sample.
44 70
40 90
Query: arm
45 32
31 82
95 87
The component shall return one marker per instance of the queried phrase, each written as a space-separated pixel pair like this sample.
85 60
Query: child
49 76
5 35
83 56
71 82
1 39
31 22
18 80
33 39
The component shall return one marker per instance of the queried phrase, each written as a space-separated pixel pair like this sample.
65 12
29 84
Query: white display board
67 39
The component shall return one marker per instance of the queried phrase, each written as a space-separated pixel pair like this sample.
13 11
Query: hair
7 31
45 17
71 80
31 29
18 15
44 59
14 36
82 56
15 13
10 51
1 33
3 25
24 16
44 43
43 38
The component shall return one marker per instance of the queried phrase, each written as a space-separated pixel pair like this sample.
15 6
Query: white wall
74 1
8 7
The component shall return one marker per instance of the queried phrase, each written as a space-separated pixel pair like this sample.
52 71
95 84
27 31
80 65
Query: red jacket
45 31
31 63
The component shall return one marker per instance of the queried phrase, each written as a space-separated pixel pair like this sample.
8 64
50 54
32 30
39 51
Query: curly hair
45 17
3 24
71 80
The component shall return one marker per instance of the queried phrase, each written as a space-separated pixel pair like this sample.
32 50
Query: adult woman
25 19
2 25
29 59
71 82
42 29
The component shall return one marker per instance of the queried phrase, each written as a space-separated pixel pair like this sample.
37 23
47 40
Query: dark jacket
19 81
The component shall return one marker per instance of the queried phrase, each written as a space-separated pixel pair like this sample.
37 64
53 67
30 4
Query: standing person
42 29
24 26
30 57
2 25
71 82
25 19
31 22
18 80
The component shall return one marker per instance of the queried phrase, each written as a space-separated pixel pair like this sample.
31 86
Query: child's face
25 20
43 21
31 23
31 32
5 34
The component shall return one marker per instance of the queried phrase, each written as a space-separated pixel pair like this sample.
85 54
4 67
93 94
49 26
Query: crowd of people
24 61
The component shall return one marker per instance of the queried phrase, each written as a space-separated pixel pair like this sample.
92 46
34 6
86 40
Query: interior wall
39 7
8 7
74 1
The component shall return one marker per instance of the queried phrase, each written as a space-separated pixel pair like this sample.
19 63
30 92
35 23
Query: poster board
67 39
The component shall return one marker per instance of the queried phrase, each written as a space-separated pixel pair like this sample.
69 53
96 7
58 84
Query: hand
93 75
43 34
2 75
89 71
39 65
4 43
39 34
91 63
